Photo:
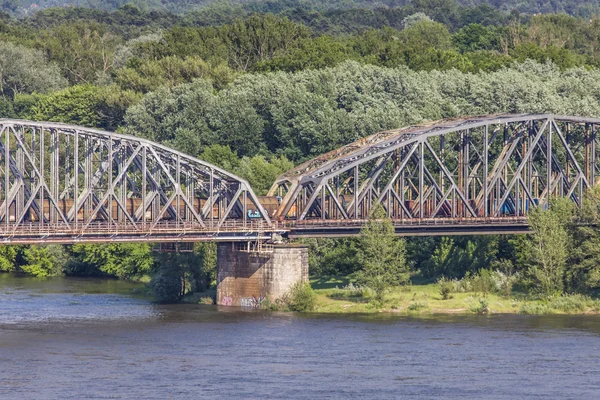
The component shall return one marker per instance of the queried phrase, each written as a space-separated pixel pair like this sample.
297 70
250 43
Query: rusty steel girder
65 183
464 168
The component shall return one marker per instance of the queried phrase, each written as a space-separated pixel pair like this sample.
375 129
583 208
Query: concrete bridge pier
247 275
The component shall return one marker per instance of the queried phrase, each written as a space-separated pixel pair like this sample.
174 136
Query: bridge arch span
65 183
474 169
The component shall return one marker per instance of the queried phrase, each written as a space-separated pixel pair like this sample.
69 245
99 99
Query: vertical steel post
144 188
356 192
42 177
549 162
421 176
485 171
76 176
6 174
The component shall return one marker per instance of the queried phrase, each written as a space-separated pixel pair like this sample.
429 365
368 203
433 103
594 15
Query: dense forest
584 8
259 86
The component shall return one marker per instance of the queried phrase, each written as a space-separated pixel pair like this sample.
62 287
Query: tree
24 71
177 274
123 260
44 260
261 173
8 255
86 105
381 254
546 250
414 19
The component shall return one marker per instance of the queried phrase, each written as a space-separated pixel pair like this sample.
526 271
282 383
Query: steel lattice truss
497 166
67 183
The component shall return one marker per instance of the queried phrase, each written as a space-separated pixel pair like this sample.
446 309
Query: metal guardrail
182 229
311 224
140 229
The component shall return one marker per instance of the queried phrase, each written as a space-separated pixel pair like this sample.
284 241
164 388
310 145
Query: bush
482 282
417 305
166 287
445 287
485 281
503 283
573 303
302 298
482 307
535 309
359 291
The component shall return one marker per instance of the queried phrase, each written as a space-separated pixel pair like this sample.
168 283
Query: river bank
339 297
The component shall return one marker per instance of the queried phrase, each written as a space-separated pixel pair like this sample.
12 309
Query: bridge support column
245 278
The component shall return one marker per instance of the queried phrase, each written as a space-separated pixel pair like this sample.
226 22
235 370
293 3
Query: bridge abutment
245 277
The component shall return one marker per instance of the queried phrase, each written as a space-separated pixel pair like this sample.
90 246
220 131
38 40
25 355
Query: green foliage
8 256
179 274
455 257
44 260
569 304
122 260
221 156
147 75
308 113
329 257
445 288
24 71
546 250
482 307
535 309
302 298
166 286
84 105
381 255
417 305
261 173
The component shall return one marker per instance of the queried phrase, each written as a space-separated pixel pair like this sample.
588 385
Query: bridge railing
318 223
139 229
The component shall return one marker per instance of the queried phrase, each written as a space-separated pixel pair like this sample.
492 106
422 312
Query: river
89 339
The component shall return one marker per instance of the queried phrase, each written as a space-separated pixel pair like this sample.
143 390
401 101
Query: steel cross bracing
487 170
65 183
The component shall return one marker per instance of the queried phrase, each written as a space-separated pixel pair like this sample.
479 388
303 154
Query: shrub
359 291
445 287
462 285
503 282
302 298
568 304
481 307
482 282
166 287
535 309
417 305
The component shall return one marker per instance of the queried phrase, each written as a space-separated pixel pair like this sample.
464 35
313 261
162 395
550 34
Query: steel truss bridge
457 176
68 184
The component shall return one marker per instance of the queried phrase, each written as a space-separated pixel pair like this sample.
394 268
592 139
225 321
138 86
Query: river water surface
89 339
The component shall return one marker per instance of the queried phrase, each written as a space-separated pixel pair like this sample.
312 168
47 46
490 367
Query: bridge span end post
246 276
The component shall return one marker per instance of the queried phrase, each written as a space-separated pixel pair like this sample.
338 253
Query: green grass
333 297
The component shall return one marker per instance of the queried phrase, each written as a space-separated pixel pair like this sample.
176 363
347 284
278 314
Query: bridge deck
231 231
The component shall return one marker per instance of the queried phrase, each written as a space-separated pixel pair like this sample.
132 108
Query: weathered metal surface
495 166
65 183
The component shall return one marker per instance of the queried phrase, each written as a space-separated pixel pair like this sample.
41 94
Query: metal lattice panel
69 183
497 166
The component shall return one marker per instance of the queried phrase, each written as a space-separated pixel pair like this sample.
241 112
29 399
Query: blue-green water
89 339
